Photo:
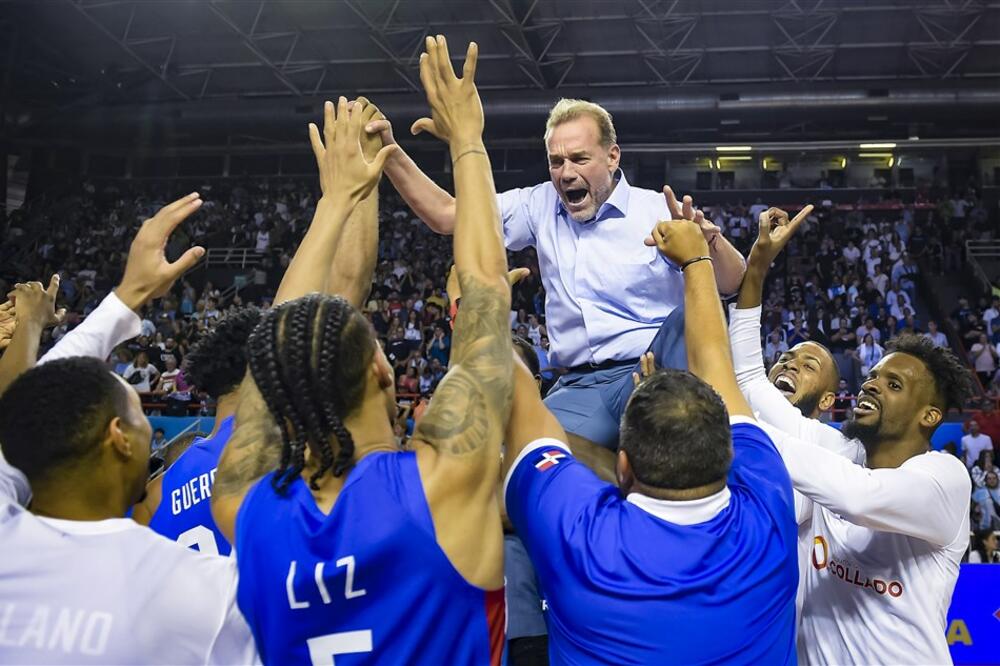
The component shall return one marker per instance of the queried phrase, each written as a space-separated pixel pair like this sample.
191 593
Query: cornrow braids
263 364
309 357
327 349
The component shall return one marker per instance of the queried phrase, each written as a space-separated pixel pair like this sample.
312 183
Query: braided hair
309 357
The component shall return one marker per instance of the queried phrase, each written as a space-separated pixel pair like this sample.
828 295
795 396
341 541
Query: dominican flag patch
550 459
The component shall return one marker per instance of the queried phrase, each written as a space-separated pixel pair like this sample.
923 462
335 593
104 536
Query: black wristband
695 261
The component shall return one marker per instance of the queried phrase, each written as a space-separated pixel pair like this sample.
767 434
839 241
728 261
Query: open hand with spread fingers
685 210
776 229
456 110
148 274
345 175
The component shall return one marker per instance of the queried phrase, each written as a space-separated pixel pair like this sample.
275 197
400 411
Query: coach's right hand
148 274
456 110
679 240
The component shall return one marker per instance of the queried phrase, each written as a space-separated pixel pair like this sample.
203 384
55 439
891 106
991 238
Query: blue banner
974 617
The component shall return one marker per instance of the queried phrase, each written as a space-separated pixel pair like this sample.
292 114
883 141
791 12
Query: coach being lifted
610 295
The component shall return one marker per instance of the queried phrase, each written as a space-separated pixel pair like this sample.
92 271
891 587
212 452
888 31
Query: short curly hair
952 379
217 363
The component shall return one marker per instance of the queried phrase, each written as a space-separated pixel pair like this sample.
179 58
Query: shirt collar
683 512
618 199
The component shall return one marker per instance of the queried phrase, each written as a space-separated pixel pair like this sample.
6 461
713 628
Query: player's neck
224 408
891 453
678 495
76 499
370 429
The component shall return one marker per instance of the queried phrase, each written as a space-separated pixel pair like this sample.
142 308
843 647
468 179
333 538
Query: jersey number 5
323 648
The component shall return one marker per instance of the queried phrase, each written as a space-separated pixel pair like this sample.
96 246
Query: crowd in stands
849 280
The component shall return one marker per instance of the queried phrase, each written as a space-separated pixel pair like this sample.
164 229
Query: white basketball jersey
110 592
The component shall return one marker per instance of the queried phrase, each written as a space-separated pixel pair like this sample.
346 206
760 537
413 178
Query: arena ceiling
675 70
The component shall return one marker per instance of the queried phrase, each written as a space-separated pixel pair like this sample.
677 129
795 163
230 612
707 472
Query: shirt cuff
740 418
744 313
545 442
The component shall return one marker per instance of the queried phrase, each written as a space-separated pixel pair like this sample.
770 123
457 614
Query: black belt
606 365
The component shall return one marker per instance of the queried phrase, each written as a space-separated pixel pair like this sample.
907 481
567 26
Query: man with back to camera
609 296
72 571
693 560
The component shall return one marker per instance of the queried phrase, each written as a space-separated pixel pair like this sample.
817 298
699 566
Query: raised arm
458 439
683 242
357 251
346 178
427 199
34 306
927 497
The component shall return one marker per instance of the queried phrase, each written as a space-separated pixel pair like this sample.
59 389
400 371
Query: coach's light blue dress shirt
606 292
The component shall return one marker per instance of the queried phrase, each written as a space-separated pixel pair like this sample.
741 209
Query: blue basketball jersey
365 584
627 586
185 512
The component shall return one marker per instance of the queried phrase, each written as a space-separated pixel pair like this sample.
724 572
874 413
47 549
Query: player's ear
826 401
116 438
623 472
380 370
930 416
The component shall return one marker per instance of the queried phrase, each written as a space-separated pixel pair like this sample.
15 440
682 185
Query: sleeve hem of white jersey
542 443
745 313
110 324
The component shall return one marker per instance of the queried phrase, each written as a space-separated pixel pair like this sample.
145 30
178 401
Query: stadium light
843 162
882 155
875 146
735 158
892 160
734 149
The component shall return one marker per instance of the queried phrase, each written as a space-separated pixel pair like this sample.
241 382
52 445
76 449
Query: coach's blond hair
571 109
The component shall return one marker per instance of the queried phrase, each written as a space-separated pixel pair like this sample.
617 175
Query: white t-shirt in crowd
973 446
982 358
110 592
937 338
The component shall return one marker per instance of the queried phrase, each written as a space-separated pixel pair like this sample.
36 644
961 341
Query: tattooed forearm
471 405
254 448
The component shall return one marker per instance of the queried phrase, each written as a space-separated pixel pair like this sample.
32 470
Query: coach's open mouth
576 196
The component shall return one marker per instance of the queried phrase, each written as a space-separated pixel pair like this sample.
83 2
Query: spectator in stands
988 419
984 548
140 374
868 353
844 401
158 442
775 347
984 359
408 382
987 501
984 465
974 443
935 336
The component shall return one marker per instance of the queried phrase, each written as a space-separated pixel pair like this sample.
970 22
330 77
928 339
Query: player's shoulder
945 467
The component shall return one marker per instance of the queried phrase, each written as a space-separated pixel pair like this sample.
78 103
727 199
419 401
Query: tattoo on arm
470 407
254 448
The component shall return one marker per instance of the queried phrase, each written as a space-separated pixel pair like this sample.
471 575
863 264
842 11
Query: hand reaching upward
456 110
774 233
345 176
